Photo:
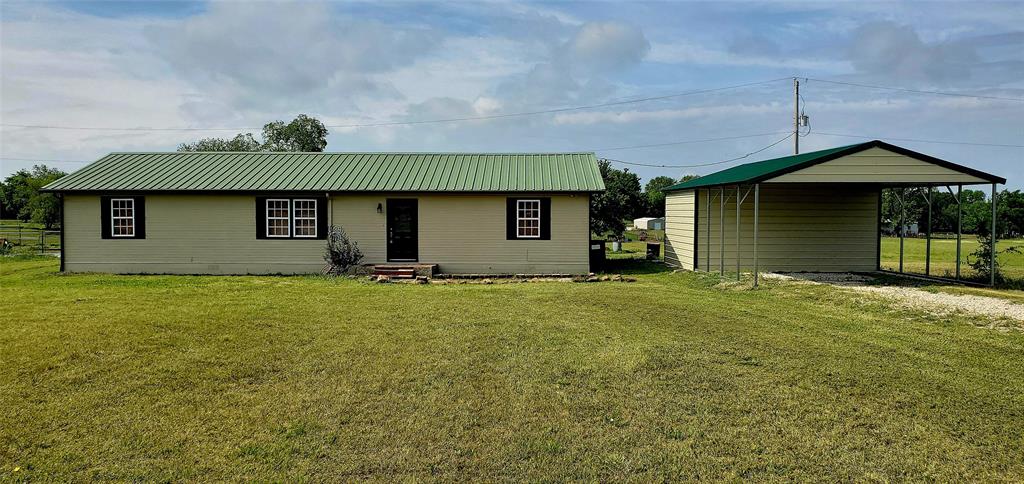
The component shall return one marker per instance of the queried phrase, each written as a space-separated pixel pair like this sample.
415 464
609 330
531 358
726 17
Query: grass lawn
944 255
671 377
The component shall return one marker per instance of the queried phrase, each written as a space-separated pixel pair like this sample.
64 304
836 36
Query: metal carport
828 197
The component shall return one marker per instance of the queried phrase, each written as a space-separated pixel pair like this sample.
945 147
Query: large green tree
304 133
622 200
20 196
656 197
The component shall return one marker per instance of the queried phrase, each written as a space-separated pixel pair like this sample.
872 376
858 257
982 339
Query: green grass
944 256
161 378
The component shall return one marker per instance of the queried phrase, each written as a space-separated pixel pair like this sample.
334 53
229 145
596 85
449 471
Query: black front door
402 233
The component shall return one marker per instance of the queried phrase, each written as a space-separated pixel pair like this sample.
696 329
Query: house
817 211
269 213
649 223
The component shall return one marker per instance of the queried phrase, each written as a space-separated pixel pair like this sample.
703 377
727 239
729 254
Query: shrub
341 253
981 259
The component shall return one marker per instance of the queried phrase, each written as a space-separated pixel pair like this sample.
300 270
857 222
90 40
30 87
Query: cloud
607 46
578 67
895 51
300 55
740 54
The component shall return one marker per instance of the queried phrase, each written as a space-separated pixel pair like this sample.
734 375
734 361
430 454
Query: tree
241 142
302 134
656 197
621 200
21 197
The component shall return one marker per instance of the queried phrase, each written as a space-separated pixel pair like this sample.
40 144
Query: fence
31 239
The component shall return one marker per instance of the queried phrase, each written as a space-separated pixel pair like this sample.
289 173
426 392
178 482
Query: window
122 217
282 217
304 217
278 222
528 219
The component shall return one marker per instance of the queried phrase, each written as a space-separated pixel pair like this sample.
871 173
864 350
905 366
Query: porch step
395 272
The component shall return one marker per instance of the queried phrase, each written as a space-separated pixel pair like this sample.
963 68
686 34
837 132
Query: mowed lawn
944 255
671 377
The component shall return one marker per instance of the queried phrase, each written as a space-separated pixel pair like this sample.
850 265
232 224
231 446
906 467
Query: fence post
42 240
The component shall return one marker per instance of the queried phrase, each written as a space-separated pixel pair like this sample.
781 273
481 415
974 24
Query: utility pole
796 116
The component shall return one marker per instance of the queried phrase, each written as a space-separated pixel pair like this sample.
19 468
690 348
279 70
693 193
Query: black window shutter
105 218
261 217
545 219
140 217
510 219
321 218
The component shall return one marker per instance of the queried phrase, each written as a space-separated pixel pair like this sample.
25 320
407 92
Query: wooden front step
395 272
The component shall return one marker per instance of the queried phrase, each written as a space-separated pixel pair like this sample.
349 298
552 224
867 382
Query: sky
158 66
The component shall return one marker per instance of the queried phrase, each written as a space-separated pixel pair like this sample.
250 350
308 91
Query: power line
966 143
790 135
674 143
917 91
686 142
46 161
409 123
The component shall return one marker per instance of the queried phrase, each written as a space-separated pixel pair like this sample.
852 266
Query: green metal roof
763 170
362 172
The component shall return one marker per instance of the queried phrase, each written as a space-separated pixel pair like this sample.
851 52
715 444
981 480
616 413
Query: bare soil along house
268 213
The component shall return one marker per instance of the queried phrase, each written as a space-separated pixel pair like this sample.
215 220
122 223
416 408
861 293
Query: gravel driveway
994 309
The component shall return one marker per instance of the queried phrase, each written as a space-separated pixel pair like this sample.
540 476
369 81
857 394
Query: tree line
975 206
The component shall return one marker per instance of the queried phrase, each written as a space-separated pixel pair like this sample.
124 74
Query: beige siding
680 228
802 228
877 165
215 234
465 233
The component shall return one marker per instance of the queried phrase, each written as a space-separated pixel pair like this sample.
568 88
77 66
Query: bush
341 253
981 259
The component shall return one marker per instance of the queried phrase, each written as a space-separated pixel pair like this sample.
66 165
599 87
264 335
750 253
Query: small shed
649 223
812 212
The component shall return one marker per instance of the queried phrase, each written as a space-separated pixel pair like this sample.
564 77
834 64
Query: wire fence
29 239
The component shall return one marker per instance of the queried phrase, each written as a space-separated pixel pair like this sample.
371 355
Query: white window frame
296 217
287 218
115 218
519 234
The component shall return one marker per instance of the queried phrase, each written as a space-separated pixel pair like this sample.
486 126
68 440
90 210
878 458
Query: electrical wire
686 142
917 91
790 135
965 143
410 123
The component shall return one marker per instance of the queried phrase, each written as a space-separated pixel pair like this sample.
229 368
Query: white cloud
683 52
607 46
297 55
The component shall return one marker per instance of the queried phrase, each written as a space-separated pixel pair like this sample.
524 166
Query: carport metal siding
464 172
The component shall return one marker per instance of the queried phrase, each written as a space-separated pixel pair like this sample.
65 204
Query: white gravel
995 310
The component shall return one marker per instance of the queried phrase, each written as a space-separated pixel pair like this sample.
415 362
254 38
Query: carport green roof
764 170
336 172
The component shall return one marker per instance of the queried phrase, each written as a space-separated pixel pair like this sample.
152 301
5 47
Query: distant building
649 223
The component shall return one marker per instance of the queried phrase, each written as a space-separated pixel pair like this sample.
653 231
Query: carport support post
738 233
757 210
928 237
707 247
992 260
721 232
959 225
903 222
